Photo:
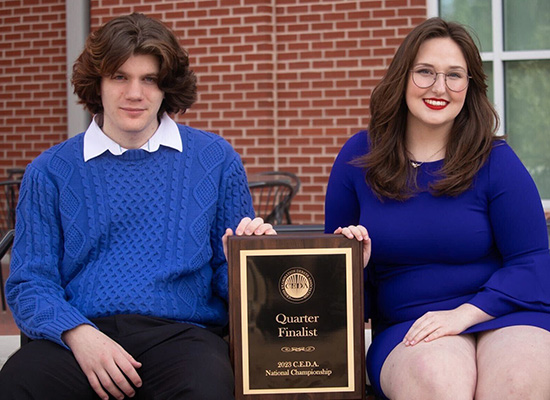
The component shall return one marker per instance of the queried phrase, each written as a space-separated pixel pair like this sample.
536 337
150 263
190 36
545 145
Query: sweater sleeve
234 204
342 207
520 234
34 289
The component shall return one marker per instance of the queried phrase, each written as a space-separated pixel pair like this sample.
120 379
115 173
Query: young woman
459 274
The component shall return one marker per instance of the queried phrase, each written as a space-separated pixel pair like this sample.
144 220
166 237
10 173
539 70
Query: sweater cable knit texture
138 233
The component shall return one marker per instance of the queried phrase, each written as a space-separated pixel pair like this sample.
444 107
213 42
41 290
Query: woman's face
436 107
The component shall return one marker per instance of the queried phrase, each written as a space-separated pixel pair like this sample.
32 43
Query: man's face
131 100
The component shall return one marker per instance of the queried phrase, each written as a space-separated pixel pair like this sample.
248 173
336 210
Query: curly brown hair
136 34
388 171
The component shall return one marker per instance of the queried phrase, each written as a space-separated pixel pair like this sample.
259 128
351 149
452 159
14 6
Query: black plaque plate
296 317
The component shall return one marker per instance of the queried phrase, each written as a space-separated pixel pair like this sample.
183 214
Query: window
514 40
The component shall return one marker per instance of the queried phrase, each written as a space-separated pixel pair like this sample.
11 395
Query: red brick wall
285 81
32 79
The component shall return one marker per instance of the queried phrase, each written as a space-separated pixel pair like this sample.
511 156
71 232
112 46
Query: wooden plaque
296 317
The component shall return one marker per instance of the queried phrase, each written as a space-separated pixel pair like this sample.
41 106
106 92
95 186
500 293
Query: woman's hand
435 324
248 227
360 233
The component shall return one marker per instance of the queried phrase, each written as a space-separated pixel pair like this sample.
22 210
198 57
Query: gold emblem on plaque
296 285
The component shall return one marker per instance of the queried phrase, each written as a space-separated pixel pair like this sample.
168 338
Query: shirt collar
96 142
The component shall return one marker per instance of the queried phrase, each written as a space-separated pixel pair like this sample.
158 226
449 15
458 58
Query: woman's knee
438 373
513 383
435 370
513 363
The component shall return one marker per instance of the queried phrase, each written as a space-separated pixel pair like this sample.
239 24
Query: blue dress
487 247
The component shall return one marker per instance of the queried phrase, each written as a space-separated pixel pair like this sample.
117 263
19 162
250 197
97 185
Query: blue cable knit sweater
138 233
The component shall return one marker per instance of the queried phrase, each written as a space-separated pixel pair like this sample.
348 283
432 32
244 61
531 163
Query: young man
118 269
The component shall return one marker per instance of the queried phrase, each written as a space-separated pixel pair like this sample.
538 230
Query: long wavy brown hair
111 45
388 170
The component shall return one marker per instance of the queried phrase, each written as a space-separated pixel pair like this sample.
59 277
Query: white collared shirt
96 142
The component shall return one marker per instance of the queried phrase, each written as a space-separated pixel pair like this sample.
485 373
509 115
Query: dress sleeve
34 289
234 204
342 206
520 235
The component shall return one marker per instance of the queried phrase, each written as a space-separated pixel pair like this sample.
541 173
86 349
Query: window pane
527 118
488 69
475 14
526 25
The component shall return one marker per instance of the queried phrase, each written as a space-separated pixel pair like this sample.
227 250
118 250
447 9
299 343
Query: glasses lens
425 77
456 82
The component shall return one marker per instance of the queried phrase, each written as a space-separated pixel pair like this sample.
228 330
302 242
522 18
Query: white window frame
498 57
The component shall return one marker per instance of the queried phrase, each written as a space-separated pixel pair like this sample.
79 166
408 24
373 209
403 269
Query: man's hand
248 227
108 367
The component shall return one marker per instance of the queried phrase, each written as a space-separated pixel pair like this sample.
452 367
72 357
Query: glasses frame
435 80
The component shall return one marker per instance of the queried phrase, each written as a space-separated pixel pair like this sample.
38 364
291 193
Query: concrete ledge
8 345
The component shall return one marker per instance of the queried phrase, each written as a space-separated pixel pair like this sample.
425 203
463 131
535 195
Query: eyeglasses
425 77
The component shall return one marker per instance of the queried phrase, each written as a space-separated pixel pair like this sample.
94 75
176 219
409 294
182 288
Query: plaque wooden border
240 247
